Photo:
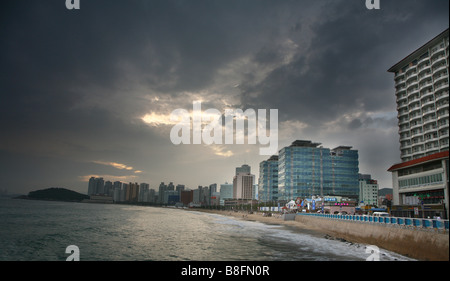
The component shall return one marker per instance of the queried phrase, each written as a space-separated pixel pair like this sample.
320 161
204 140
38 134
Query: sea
32 230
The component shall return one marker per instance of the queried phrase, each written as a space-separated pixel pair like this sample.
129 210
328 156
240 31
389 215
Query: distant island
55 194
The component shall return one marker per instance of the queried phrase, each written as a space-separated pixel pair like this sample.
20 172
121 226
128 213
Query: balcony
443 143
426 97
432 144
415 125
437 50
415 117
425 65
428 121
427 102
413 88
417 148
406 153
443 133
442 105
411 70
401 91
441 95
424 76
402 98
403 121
438 59
399 75
414 99
399 81
443 114
439 65
429 128
404 137
431 150
401 106
440 79
404 129
426 84
423 61
443 126
441 85
416 133
402 113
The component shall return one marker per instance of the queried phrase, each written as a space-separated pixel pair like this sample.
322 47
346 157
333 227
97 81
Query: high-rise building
268 180
368 190
100 188
92 186
162 189
421 182
186 197
196 196
151 196
306 169
180 188
204 195
143 192
421 89
96 186
255 191
117 190
226 192
123 192
243 183
243 169
132 192
108 189
213 188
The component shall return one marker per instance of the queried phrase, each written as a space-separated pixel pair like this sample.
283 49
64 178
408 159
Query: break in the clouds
100 82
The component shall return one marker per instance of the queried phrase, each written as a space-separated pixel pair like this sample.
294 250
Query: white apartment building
421 83
421 182
368 191
243 186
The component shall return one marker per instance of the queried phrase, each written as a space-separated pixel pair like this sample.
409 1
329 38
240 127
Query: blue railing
392 221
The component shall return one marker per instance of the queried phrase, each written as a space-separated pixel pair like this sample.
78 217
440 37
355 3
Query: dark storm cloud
55 61
344 68
74 84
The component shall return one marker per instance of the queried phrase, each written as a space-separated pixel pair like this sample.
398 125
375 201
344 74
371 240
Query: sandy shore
417 244
258 216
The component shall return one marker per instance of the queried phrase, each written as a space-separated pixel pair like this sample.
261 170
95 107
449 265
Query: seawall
419 244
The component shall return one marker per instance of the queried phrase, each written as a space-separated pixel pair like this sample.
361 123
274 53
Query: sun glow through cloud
115 165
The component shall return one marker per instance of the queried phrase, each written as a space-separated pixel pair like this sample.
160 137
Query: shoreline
404 245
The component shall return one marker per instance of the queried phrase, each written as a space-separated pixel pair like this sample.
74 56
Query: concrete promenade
420 244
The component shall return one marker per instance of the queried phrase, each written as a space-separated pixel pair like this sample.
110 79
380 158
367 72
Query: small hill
384 191
56 194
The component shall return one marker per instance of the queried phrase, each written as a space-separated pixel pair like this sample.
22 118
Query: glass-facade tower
268 180
306 169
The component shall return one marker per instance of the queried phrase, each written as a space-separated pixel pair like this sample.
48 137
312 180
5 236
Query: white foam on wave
305 242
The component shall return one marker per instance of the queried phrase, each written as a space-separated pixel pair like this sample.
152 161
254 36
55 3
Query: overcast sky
89 92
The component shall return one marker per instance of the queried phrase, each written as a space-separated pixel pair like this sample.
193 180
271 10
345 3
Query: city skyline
88 93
